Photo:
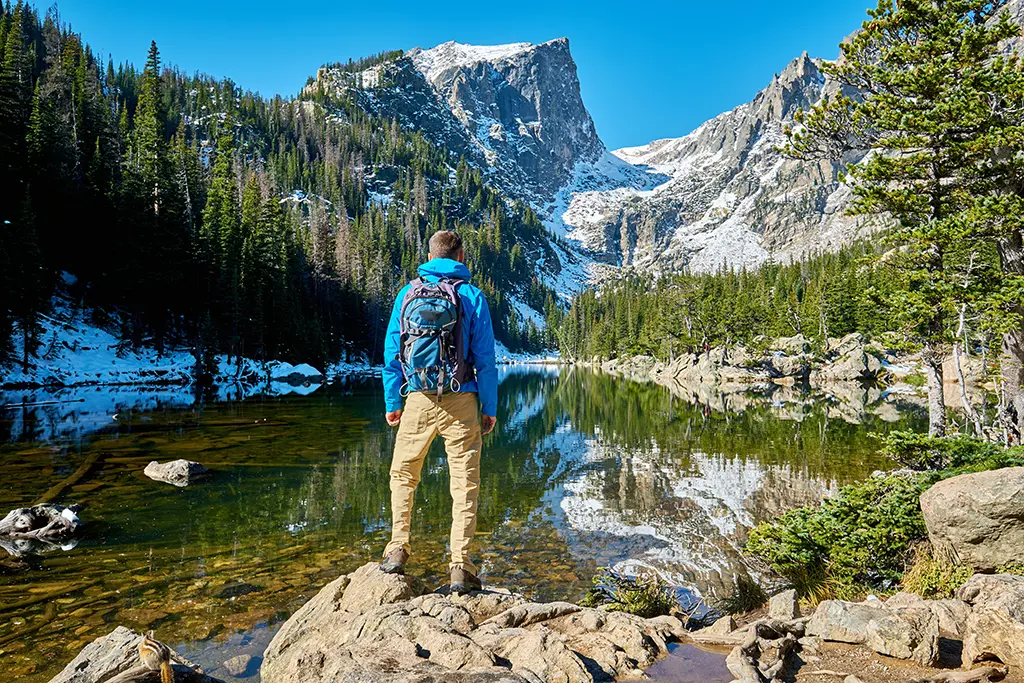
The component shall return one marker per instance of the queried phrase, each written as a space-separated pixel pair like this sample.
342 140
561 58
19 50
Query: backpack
432 349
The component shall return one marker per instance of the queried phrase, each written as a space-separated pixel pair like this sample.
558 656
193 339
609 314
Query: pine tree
918 82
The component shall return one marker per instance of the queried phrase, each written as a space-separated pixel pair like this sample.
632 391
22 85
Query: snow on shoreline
77 353
82 378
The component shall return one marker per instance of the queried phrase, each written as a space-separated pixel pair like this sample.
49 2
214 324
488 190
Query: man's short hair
445 244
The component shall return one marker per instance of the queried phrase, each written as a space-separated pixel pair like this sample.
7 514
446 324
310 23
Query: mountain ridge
721 195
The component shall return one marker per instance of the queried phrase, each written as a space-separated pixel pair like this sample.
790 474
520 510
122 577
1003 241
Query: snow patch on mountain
435 61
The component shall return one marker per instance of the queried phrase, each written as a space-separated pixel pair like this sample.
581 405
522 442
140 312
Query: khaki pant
456 417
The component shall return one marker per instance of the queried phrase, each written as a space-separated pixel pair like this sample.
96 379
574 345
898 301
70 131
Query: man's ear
461 258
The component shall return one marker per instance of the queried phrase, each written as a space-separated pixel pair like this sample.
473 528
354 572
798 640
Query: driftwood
45 522
762 654
980 675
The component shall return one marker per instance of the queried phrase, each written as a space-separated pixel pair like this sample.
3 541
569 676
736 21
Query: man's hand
393 418
487 422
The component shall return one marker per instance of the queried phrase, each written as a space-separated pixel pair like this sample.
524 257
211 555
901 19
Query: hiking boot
464 581
394 562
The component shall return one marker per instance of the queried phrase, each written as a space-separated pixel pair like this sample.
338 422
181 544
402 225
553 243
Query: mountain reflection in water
585 470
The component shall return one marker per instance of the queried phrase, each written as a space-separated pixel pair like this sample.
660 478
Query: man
462 414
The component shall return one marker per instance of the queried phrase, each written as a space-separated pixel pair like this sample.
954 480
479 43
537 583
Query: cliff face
520 105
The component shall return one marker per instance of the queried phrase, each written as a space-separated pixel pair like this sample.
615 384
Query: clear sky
648 70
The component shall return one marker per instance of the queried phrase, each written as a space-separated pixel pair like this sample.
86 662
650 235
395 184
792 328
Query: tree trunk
1011 256
936 398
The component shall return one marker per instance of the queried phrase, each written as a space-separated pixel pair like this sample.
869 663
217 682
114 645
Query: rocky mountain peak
798 86
520 105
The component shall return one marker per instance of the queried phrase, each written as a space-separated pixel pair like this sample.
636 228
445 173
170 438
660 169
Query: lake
585 470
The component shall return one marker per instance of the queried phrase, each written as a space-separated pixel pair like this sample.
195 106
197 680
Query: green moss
1011 568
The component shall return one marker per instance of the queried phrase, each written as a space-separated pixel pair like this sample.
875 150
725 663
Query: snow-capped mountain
731 198
722 195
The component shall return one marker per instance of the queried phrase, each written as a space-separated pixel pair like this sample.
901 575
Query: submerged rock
373 627
180 473
995 628
117 654
978 518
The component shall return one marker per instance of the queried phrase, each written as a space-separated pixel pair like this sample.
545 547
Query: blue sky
648 70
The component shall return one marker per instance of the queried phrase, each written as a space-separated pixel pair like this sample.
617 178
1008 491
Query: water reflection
585 470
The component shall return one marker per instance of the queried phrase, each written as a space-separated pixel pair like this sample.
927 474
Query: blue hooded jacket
476 329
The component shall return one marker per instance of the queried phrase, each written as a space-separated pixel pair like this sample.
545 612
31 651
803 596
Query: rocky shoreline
370 627
785 361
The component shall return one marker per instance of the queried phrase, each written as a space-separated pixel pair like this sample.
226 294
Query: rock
906 634
851 343
239 666
791 346
952 614
852 679
810 643
797 368
783 606
721 627
177 472
978 519
236 589
373 627
854 366
995 627
117 654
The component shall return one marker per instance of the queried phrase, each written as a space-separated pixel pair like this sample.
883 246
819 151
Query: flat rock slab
371 627
180 473
115 657
908 633
978 518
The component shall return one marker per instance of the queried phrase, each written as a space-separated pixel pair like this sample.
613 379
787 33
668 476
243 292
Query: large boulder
906 633
791 346
373 627
796 368
995 628
855 366
978 519
117 654
180 473
952 614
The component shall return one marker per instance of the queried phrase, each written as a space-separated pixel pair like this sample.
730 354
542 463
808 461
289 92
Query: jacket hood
444 267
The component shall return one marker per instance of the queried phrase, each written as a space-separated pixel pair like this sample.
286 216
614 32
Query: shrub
930 577
922 453
861 539
645 596
747 596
